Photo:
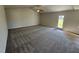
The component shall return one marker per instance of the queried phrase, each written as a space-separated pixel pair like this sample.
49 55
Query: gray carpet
39 39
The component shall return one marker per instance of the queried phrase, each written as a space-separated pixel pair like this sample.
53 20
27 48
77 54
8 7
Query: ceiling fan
38 8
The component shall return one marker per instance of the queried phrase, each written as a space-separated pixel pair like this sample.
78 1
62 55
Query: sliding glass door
60 21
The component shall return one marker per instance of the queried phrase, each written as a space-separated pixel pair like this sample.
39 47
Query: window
60 21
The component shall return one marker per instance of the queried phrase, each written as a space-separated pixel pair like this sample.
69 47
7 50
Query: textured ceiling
47 8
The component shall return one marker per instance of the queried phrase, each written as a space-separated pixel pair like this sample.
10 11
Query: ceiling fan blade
38 8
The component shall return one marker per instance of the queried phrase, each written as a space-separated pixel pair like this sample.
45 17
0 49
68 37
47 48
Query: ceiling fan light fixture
38 10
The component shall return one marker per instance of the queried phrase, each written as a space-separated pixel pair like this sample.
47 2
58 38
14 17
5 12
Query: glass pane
60 21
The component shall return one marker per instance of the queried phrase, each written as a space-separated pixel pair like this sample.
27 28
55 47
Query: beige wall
3 30
71 20
21 17
48 19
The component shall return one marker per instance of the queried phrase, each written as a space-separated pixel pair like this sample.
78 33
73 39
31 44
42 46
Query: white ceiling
17 6
47 8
